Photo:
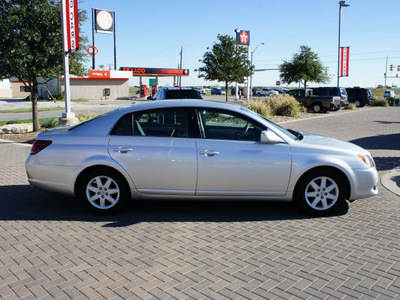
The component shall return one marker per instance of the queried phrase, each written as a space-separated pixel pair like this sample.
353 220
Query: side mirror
269 137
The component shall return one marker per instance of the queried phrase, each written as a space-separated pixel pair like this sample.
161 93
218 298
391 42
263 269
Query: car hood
330 143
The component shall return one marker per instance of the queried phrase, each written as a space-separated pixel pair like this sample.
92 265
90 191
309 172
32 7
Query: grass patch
27 121
26 110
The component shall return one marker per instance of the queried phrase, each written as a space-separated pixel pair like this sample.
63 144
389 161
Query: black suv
176 93
359 96
332 91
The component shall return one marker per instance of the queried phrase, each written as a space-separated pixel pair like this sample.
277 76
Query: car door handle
123 149
209 152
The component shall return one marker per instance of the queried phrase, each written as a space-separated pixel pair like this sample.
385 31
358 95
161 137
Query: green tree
31 44
225 63
304 67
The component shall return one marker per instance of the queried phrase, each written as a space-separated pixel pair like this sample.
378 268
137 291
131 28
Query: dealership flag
70 25
344 65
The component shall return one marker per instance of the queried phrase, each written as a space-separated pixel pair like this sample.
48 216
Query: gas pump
153 90
143 90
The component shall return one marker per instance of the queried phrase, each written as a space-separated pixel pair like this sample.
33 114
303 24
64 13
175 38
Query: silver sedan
196 149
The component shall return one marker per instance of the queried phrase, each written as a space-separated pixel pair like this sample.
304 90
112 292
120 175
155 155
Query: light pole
251 63
341 4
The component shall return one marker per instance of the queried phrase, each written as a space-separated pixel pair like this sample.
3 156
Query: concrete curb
391 181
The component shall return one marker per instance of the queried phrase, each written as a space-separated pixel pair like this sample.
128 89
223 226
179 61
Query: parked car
176 93
389 94
267 92
197 149
217 91
315 103
333 91
233 91
281 90
359 96
201 91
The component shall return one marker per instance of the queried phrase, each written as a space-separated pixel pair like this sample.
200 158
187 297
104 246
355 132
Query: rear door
156 148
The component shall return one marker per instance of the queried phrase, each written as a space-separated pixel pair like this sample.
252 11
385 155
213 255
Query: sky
151 34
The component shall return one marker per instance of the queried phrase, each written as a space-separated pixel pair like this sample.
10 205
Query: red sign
99 74
70 25
344 62
90 50
278 83
243 37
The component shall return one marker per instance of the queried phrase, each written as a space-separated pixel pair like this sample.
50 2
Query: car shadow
382 142
24 203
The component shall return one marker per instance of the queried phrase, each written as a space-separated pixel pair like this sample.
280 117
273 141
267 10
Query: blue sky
150 34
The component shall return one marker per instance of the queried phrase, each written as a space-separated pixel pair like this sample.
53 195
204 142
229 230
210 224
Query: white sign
70 25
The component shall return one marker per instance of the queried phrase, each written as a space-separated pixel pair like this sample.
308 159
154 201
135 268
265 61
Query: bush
259 107
84 117
393 101
50 123
380 102
279 105
284 105
351 106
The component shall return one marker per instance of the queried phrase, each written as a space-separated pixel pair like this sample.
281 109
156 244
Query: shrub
50 123
351 106
12 122
393 101
379 102
260 107
284 105
84 117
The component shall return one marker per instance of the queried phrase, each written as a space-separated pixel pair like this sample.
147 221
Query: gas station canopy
155 72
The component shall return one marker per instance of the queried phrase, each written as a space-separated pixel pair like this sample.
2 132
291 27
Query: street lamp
341 4
251 63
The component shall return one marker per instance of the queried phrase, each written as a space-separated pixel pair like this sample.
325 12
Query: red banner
344 62
70 25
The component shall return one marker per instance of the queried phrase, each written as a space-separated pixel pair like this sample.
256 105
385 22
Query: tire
320 192
357 103
316 107
103 191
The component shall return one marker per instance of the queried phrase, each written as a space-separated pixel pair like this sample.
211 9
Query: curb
391 181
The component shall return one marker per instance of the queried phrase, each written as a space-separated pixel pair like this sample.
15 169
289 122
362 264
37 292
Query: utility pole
386 74
180 66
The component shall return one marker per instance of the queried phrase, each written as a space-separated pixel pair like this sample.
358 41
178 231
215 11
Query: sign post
69 17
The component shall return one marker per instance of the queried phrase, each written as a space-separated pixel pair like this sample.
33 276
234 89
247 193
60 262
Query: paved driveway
51 247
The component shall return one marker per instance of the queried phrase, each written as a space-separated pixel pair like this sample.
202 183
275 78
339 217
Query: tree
31 44
304 67
225 63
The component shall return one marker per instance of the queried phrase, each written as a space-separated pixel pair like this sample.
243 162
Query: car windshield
279 127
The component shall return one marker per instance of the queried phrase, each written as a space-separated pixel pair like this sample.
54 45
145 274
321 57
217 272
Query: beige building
100 85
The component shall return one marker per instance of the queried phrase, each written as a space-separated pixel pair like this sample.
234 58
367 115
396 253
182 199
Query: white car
196 149
389 94
266 92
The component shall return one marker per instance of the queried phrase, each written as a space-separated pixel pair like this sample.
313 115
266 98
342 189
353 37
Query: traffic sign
278 83
90 50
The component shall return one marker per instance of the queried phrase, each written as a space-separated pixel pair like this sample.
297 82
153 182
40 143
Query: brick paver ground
51 247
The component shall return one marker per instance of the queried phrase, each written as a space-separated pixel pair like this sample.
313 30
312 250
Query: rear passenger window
162 123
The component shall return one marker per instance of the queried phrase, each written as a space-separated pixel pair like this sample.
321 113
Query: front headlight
367 159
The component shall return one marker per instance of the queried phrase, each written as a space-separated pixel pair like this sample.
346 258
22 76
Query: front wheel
320 192
103 191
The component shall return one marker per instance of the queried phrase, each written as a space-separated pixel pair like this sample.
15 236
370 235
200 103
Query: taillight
39 145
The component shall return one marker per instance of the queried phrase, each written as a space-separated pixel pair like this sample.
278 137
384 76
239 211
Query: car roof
179 103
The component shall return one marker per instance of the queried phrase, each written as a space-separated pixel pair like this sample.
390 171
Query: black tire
316 107
320 192
103 191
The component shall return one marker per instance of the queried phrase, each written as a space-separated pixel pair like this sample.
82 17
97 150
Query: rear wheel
103 191
316 107
320 192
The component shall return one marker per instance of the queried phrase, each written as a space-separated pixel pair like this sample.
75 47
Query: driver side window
225 125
